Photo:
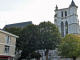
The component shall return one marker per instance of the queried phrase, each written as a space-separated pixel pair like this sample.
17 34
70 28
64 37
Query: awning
4 56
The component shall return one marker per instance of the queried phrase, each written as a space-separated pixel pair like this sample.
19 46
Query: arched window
62 29
66 27
62 14
65 13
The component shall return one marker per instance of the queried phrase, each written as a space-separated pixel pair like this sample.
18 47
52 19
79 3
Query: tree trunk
74 58
47 54
29 56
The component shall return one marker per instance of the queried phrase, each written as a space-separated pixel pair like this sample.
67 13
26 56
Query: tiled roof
22 24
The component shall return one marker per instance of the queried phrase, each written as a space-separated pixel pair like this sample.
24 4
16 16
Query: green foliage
14 30
70 46
49 35
29 40
33 55
29 37
34 37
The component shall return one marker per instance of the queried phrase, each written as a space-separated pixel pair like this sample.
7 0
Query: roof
22 24
72 3
8 33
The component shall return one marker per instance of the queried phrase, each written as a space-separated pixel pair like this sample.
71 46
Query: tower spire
72 3
56 8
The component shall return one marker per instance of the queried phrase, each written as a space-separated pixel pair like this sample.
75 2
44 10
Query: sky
16 11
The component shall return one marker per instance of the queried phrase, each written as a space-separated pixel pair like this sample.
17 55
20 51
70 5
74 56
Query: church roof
72 3
23 24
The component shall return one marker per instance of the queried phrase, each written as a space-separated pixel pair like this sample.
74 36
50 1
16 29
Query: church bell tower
66 19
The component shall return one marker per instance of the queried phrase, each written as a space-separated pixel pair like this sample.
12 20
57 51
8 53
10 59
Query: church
66 19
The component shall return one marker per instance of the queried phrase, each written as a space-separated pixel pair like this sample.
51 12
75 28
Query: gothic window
65 13
62 14
66 27
62 29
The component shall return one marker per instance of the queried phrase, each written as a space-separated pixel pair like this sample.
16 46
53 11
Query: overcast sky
15 11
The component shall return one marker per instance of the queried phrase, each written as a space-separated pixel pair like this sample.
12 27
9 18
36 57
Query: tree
24 54
35 55
16 31
29 40
49 36
70 46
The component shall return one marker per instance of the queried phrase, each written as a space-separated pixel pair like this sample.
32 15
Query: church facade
66 19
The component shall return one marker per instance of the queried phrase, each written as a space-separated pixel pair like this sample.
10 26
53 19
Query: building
66 19
22 24
7 45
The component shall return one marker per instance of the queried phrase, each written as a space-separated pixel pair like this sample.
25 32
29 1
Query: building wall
2 37
12 50
1 49
12 47
13 41
11 44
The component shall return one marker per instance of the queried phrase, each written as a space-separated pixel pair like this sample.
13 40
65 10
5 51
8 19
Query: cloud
11 5
15 11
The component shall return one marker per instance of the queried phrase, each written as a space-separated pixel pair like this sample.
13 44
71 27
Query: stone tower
66 19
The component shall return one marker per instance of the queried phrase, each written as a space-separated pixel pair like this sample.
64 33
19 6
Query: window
7 39
66 27
45 53
62 29
65 13
62 14
6 49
